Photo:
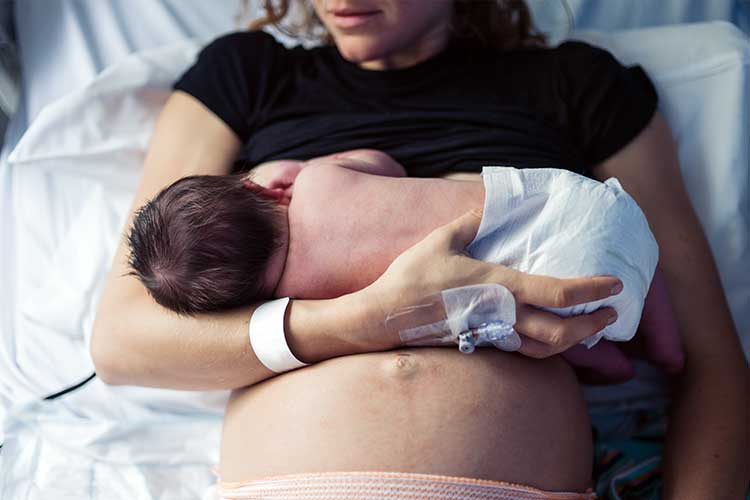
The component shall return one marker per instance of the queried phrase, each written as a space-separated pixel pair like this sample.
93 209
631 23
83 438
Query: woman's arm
707 442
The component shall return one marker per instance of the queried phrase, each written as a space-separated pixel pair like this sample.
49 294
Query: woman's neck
429 46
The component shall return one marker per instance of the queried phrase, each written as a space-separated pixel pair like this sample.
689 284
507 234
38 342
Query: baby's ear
276 174
278 195
284 174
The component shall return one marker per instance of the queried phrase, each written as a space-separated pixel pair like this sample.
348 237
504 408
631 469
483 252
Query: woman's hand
440 262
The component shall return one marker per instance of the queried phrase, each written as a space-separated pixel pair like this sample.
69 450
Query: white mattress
65 188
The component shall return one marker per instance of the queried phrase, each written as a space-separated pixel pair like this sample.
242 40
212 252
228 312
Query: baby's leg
658 340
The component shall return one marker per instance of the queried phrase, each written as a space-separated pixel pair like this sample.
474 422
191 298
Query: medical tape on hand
469 316
268 339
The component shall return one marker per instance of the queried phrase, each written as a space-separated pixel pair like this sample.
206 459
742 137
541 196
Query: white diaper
556 223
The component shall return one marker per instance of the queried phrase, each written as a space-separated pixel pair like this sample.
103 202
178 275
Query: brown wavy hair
498 24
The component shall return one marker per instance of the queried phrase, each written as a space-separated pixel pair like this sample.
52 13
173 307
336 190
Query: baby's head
213 242
207 243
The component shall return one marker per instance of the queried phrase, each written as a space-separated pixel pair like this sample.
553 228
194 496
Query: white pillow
701 72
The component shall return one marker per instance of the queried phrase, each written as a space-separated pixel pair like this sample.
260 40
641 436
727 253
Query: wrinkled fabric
95 445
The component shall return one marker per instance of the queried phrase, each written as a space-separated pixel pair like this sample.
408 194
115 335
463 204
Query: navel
402 365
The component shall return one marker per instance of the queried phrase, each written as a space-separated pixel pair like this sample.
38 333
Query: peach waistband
384 486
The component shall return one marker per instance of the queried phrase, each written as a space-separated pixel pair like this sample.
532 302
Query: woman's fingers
545 291
541 291
547 334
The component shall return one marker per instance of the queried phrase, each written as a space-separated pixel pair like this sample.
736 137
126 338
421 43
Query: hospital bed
95 75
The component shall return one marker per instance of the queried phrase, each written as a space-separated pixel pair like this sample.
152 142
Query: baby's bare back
346 227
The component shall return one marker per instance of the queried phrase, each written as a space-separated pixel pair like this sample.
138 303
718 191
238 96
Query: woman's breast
431 410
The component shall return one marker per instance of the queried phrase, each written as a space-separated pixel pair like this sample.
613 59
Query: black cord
65 391
71 388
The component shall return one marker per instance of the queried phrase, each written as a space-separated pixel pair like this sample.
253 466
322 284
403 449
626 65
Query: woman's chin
359 53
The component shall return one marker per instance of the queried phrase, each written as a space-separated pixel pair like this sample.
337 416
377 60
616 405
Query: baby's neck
345 227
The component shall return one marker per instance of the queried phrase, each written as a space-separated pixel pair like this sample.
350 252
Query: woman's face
385 34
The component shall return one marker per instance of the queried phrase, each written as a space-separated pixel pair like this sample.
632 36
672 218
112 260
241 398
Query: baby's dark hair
204 244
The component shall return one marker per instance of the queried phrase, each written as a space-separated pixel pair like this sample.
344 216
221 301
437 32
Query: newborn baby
217 242
332 225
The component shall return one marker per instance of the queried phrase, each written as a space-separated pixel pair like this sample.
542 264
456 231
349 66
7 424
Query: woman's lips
347 20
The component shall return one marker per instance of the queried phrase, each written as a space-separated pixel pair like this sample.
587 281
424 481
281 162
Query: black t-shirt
568 107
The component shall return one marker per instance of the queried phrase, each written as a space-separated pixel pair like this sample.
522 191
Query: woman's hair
496 24
204 244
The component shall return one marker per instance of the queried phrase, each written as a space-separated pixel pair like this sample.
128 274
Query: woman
394 72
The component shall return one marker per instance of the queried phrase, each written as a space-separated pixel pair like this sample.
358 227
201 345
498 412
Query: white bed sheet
63 45
61 242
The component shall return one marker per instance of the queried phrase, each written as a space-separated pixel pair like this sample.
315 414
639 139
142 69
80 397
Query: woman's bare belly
489 415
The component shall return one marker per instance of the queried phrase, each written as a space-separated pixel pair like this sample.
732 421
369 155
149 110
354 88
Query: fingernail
612 319
616 289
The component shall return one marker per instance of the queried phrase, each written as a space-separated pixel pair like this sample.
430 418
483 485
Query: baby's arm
368 161
278 176
280 173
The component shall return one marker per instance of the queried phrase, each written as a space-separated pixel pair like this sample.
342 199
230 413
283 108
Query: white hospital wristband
268 339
